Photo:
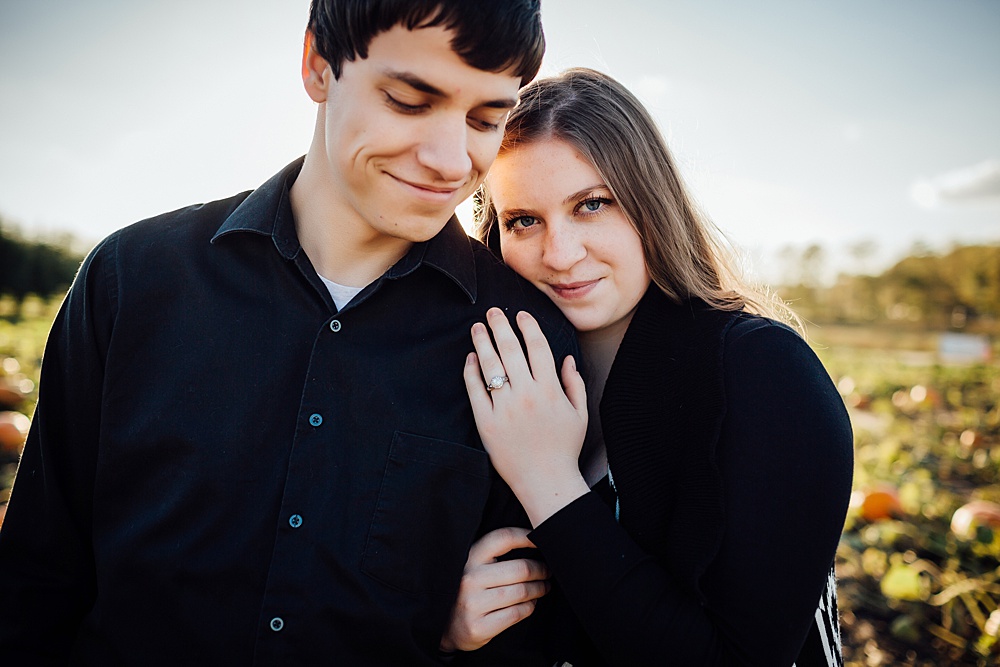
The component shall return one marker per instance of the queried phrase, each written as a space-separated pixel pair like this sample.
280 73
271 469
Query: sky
795 122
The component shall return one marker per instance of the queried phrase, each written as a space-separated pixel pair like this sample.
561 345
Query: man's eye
400 106
484 124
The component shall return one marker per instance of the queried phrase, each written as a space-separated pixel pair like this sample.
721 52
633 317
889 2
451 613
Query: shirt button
295 520
335 326
277 624
315 419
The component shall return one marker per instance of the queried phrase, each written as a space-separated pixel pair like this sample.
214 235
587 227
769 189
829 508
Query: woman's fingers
489 361
507 359
508 346
543 366
479 398
576 389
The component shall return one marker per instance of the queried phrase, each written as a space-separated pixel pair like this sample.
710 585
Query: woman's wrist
546 497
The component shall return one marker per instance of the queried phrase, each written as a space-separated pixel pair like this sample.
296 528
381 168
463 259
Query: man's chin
421 228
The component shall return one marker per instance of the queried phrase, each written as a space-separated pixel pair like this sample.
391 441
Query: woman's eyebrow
584 191
516 213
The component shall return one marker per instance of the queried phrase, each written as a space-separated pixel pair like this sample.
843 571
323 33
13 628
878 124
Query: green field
927 438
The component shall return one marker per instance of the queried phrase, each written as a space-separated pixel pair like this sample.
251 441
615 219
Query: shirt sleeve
785 460
47 580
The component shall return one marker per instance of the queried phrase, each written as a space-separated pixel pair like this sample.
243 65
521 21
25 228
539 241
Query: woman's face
561 229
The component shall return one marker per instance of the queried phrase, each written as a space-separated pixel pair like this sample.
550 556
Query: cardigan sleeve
785 460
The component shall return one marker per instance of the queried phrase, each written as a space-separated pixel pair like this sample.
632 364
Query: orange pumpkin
877 502
13 431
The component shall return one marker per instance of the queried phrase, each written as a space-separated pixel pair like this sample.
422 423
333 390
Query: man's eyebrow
506 103
415 82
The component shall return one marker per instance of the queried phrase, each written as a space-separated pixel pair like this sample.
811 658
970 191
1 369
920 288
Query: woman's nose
564 247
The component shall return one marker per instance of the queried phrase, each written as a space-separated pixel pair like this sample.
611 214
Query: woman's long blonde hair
600 118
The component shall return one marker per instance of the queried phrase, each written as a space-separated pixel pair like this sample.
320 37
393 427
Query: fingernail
572 362
471 359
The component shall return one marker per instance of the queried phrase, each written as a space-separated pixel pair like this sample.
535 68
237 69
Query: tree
953 290
34 268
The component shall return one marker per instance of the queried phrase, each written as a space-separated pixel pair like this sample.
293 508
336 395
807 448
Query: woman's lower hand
532 425
494 595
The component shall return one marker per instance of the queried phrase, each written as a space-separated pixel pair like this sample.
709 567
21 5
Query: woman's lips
575 290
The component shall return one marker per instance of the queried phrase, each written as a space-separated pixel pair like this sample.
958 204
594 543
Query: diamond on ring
496 382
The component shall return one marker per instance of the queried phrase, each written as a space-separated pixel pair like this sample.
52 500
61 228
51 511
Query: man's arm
47 581
494 594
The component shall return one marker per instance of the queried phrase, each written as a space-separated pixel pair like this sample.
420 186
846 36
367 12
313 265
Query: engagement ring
496 382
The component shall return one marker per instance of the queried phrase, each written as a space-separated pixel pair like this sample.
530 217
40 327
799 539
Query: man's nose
445 149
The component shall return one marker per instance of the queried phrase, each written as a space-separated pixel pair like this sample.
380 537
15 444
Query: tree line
28 267
956 290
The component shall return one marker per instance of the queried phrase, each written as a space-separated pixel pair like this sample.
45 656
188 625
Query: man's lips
573 290
429 192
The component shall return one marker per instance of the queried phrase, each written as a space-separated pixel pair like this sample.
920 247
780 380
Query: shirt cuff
584 540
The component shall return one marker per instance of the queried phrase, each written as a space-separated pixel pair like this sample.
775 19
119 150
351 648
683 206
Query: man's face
409 132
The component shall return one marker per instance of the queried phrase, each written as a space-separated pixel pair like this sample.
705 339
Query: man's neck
341 247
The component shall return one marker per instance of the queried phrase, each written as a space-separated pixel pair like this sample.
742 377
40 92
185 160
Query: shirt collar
449 251
268 211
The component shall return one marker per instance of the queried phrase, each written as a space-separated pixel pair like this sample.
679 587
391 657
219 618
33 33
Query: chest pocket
429 507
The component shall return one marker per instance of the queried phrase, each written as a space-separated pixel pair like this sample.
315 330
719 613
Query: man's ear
316 72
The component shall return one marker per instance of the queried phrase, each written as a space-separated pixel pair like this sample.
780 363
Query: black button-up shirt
225 469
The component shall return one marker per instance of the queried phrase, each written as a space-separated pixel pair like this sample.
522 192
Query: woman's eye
592 204
522 222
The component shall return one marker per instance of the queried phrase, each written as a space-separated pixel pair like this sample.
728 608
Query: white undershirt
342 294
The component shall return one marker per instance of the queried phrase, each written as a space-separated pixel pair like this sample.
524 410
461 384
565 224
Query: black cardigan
732 456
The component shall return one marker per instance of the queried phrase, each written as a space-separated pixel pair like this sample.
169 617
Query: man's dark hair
491 35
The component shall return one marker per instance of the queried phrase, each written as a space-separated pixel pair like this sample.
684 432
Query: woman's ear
316 72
